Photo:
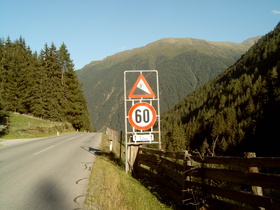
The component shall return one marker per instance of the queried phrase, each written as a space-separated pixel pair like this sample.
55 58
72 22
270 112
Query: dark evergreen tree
16 69
26 77
45 85
2 53
54 74
73 101
50 83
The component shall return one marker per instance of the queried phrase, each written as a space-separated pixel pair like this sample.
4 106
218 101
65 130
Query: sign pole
125 121
158 105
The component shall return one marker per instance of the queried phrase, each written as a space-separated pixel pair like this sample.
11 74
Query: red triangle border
132 95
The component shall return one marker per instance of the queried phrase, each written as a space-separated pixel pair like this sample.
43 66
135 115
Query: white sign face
142 116
143 137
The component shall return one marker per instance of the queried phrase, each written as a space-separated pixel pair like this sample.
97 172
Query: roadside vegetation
42 84
23 126
111 188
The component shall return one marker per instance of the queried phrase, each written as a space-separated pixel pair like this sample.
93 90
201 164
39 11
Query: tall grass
111 188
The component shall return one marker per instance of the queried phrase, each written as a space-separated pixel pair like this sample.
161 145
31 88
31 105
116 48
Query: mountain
184 64
237 112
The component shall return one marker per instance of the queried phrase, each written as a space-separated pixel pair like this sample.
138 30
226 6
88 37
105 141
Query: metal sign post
142 111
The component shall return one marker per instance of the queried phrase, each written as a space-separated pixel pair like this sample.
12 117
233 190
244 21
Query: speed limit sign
142 116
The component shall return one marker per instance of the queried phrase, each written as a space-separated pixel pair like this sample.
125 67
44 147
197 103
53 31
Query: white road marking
43 150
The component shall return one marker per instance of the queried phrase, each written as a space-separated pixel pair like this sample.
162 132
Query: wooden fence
117 146
211 182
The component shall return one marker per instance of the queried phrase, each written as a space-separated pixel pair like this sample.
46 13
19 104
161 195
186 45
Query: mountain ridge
173 41
184 64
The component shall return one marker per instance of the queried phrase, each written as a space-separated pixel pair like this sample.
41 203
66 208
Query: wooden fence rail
226 182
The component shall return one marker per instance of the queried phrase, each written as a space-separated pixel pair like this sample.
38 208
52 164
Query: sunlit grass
24 127
111 188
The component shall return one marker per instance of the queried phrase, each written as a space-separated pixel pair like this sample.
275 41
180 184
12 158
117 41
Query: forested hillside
237 112
184 64
43 85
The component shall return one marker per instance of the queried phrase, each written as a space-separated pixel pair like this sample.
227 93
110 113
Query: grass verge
24 127
111 188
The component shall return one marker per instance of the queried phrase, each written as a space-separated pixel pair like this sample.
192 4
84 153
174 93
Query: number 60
142 116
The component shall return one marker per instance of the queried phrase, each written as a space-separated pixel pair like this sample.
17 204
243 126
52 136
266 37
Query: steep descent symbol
141 89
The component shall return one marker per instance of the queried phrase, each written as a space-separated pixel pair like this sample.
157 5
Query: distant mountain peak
251 41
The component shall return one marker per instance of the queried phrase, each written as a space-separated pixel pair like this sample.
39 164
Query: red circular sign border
149 107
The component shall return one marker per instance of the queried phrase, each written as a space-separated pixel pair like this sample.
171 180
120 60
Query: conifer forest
237 112
42 84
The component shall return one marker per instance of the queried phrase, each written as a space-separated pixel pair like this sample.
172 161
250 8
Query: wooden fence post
187 162
7 121
120 146
256 190
132 156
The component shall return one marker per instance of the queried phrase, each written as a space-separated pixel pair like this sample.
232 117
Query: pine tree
54 72
12 78
43 97
26 76
50 83
40 78
16 69
2 51
73 101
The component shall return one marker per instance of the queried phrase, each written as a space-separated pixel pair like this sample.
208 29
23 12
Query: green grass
18 121
111 188
24 126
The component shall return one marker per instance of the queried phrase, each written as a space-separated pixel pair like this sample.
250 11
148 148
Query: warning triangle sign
141 89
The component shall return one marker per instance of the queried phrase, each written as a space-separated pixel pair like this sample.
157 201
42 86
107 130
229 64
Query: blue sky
93 30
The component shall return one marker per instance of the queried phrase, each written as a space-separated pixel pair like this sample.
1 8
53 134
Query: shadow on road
110 155
50 196
90 149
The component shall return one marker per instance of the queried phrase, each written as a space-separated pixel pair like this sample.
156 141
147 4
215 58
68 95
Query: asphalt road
49 173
